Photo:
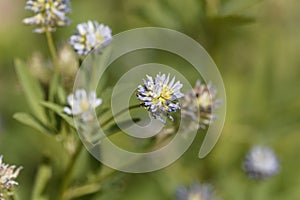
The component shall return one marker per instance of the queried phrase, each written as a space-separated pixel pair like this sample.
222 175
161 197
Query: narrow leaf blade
42 178
59 110
32 122
32 89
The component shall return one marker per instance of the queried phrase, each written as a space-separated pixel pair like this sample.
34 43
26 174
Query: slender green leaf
83 190
59 110
32 89
160 18
42 178
232 20
125 124
61 95
32 122
102 111
54 84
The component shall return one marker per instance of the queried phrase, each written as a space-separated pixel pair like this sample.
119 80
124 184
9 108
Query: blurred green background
255 44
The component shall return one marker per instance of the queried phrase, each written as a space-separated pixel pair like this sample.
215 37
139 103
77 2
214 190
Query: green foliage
255 45
43 175
32 122
59 110
54 87
32 89
115 128
231 20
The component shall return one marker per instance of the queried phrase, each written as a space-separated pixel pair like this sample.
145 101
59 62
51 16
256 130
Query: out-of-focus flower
48 14
40 68
8 174
82 104
261 163
89 36
159 96
68 65
196 191
200 102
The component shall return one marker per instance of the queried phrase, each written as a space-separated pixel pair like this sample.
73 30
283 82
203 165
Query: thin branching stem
69 170
91 187
52 50
120 113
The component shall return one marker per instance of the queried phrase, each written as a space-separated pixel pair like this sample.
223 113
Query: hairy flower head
48 14
261 163
8 174
196 191
159 96
82 104
200 102
89 36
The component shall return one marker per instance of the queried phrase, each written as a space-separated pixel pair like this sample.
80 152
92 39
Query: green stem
94 185
69 170
52 50
119 113
99 179
91 187
82 191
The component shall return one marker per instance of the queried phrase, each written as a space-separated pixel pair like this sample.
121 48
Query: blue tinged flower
200 102
261 163
159 96
196 191
89 36
8 174
82 104
48 14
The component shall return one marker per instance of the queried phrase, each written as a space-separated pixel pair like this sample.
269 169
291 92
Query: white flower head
8 174
48 14
261 163
82 104
159 96
89 36
196 191
200 102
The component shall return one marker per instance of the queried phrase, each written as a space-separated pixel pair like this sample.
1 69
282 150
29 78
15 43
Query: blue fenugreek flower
49 14
159 96
196 191
261 163
82 104
8 174
199 103
89 36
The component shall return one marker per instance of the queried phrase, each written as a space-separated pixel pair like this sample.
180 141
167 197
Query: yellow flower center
204 100
165 95
194 197
84 105
99 38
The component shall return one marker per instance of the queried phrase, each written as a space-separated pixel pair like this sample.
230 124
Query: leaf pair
39 119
